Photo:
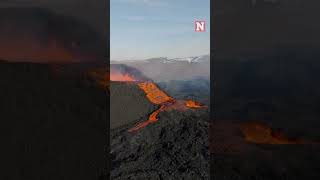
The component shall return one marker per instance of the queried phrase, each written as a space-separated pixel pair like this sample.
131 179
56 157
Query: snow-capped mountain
192 59
166 69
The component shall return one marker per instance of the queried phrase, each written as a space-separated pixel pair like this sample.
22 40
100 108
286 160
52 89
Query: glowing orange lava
116 76
157 96
194 104
152 118
154 94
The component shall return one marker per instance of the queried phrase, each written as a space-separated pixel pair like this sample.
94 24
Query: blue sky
143 29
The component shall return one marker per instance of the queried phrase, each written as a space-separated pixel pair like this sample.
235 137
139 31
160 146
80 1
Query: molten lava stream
154 94
157 96
152 118
193 104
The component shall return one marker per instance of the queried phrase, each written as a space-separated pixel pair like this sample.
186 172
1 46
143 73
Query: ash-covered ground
174 147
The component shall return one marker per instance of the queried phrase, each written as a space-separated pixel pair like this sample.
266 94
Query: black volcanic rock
175 147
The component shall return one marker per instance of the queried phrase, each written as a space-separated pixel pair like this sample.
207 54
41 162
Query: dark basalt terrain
174 147
52 126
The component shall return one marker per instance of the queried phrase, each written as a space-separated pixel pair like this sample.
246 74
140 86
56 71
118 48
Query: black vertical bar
107 147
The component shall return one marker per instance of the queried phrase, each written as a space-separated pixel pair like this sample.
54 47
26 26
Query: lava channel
157 96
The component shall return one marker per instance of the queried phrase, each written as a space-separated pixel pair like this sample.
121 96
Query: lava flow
193 104
156 96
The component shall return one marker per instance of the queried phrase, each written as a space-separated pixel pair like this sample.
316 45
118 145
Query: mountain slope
128 104
164 69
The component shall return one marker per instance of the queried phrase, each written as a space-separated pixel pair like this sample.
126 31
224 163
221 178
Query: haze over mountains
165 69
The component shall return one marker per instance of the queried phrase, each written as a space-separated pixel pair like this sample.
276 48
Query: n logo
200 26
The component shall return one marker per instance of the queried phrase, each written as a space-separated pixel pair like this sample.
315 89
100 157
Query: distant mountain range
165 69
166 60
